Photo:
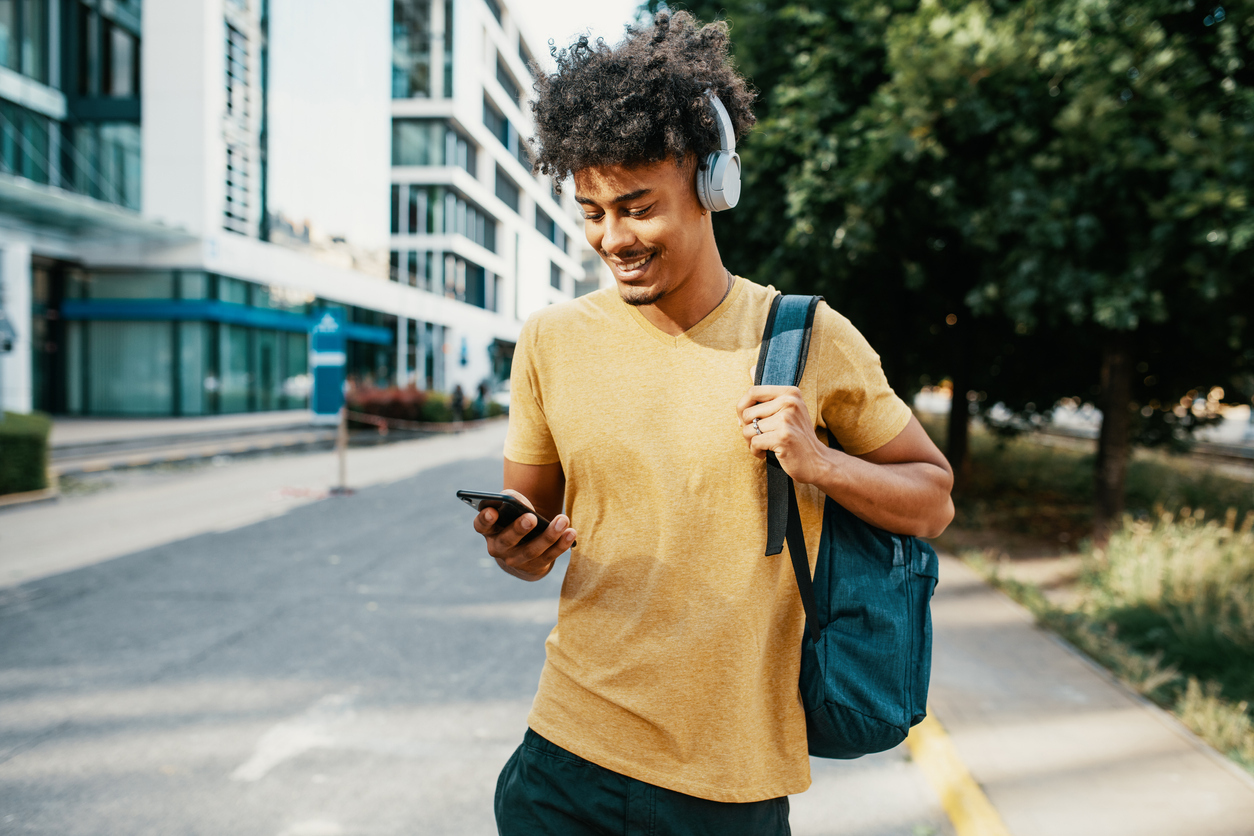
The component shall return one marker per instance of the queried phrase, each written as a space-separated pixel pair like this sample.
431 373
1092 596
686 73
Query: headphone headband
726 132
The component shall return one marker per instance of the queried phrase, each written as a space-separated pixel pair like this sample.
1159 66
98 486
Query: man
668 702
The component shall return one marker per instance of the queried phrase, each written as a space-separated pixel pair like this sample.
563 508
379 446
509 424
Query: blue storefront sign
327 362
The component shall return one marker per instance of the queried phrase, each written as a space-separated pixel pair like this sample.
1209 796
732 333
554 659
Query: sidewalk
92 445
152 508
1057 745
74 432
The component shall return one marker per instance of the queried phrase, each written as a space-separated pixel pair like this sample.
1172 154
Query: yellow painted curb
965 803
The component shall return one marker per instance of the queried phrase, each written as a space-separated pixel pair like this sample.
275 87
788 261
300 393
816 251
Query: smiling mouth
633 269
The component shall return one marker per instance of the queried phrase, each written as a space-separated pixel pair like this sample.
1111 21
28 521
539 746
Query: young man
668 702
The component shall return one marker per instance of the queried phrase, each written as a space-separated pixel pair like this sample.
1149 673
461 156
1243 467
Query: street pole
341 450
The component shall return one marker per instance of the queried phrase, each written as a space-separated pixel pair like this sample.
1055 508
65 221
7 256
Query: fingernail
528 521
561 524
568 536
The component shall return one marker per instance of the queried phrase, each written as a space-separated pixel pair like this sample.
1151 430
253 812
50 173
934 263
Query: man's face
647 224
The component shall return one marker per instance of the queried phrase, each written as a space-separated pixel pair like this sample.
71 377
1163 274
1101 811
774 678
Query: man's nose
617 236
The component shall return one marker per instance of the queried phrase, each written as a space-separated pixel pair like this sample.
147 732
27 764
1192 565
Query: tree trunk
957 440
1113 442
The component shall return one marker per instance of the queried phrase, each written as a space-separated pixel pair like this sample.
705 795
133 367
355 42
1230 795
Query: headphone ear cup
704 176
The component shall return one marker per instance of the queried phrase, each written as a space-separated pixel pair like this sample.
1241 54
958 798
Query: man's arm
902 487
543 488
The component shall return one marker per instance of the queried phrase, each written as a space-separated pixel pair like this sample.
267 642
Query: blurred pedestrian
669 691
458 403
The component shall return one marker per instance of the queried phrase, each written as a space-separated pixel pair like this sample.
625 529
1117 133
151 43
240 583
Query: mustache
627 257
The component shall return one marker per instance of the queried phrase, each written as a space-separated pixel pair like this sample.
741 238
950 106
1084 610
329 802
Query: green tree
1038 199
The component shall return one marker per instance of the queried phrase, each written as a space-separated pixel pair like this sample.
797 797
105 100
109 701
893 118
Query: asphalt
227 650
346 665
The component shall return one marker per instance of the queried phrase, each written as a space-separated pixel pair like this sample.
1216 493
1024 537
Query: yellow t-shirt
677 647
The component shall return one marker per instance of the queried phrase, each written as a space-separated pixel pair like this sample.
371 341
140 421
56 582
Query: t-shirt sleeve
528 439
855 400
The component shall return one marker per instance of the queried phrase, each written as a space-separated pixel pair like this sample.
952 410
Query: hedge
24 452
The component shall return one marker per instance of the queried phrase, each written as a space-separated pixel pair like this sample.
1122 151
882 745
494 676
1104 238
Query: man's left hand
786 430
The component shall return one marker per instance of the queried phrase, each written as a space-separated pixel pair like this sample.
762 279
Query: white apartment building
150 260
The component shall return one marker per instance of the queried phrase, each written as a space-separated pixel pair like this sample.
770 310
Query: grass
1167 605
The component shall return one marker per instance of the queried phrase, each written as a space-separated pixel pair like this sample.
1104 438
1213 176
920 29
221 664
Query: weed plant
1182 586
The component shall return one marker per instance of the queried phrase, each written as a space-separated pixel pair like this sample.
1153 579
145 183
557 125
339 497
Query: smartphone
506 506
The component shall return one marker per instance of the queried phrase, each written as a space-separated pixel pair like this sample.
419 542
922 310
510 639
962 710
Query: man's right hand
534 559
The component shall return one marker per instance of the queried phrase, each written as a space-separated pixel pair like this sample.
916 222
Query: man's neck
691 302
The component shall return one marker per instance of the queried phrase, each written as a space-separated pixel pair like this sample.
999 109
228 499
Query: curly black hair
640 101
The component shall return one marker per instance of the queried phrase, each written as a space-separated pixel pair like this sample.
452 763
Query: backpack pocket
924 572
859 682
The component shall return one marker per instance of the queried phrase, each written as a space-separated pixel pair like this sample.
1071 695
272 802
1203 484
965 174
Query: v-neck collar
687 336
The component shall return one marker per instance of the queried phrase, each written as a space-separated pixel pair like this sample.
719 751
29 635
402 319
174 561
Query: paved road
343 666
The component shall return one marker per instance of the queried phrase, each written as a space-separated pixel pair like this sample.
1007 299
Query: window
549 229
24 37
121 63
431 142
396 209
459 151
24 143
105 162
411 49
235 214
507 82
496 123
555 276
8 34
525 55
466 281
417 210
448 49
437 210
35 39
89 51
506 189
236 72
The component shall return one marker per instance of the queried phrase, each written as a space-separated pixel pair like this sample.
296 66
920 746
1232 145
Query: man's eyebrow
622 198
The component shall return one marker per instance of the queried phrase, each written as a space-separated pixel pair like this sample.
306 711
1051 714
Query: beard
640 296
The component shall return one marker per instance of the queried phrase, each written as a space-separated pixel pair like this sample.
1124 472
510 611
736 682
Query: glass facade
506 80
24 37
431 142
549 229
187 343
25 143
95 150
420 45
507 189
506 133
440 210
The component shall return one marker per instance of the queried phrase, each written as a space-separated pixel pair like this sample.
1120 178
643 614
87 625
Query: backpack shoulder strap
782 362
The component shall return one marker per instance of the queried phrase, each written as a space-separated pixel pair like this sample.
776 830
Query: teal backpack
867 651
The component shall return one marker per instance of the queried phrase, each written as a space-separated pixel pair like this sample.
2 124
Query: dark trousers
544 789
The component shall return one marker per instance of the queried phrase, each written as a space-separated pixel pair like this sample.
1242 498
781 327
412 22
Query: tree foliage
1015 195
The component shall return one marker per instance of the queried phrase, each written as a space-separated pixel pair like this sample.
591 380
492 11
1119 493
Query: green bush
24 452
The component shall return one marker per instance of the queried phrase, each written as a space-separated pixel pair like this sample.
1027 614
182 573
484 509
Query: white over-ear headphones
718 184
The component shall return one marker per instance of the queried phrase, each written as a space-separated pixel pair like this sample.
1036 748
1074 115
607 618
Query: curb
11 500
968 808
